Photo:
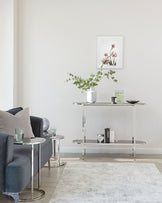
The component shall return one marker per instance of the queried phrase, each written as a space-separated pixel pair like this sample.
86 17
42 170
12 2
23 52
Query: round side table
33 193
56 138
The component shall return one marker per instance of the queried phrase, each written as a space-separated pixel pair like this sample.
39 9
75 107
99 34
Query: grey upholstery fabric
15 110
18 172
46 151
6 156
15 160
37 126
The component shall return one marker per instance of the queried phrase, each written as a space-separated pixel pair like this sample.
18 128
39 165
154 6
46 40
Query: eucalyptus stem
93 80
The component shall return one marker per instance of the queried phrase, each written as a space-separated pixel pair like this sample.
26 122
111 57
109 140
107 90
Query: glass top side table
33 193
56 138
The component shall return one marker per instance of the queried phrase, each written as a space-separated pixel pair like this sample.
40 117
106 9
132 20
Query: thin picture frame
110 52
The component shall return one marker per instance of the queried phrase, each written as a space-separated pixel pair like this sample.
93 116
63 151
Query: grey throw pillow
9 122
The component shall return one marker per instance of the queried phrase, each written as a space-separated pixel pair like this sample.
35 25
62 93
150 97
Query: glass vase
91 95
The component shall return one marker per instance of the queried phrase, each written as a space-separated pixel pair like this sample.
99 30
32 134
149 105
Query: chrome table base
32 193
56 162
27 196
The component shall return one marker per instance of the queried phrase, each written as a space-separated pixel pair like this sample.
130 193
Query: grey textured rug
86 182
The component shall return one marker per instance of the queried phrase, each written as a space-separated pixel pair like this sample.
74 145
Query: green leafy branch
92 81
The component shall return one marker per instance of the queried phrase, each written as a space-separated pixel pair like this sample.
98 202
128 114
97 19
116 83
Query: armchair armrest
37 126
6 156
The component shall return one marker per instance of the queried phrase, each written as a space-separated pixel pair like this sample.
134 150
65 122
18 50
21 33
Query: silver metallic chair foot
15 196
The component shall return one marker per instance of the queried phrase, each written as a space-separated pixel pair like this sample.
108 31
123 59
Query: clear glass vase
91 95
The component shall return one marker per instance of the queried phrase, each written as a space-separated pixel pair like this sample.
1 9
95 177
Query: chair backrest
15 110
37 126
6 156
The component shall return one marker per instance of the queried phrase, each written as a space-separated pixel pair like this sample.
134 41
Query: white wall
6 54
59 36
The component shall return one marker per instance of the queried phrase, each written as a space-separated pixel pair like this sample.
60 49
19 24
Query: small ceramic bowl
132 101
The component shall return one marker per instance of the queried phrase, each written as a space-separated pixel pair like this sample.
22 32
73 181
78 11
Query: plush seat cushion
9 122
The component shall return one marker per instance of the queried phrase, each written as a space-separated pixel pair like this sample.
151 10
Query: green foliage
92 81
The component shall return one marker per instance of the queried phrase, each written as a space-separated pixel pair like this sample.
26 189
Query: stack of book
110 136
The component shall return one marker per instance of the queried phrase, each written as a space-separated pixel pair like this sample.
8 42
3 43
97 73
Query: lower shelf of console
92 142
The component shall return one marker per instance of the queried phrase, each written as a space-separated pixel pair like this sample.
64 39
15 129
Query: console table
87 143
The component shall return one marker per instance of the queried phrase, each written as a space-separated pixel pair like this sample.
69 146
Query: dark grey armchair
15 160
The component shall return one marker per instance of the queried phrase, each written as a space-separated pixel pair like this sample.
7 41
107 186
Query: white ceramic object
91 95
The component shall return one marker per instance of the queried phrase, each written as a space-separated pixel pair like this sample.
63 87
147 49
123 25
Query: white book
112 136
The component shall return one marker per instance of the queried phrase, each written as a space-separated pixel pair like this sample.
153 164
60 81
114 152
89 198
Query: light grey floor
50 178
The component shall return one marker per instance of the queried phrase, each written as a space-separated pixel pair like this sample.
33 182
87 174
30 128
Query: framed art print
110 52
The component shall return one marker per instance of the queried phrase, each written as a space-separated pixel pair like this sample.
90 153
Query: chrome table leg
84 132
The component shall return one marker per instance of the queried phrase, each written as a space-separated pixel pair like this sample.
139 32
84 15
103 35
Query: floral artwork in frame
110 52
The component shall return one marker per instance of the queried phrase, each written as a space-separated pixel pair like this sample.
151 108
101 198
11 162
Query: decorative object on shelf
113 100
91 95
107 135
112 136
116 137
100 138
112 48
91 82
132 101
119 94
